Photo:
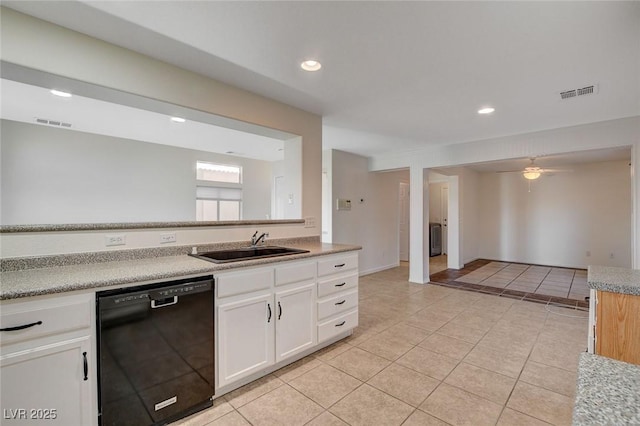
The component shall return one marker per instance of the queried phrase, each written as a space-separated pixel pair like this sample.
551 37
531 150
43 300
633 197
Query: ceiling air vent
582 91
52 122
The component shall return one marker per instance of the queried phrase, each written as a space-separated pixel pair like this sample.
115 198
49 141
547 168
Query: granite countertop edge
69 227
63 279
614 279
607 392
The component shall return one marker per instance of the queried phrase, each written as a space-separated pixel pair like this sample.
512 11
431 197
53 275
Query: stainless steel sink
246 253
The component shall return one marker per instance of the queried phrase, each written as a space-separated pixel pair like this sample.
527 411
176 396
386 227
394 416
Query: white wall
563 217
52 175
469 217
372 224
435 201
293 185
40 45
327 196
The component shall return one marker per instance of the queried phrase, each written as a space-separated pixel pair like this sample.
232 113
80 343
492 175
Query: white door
47 385
295 321
279 197
404 221
445 217
245 337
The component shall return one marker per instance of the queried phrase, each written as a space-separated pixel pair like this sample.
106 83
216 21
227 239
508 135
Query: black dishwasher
156 351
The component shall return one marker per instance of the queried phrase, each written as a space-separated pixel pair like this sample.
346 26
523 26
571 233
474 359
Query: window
218 192
218 172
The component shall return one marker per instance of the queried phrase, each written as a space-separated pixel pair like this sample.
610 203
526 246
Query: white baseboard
378 269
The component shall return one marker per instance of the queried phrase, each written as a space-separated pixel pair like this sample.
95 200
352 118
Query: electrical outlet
588 253
611 255
115 240
168 238
310 222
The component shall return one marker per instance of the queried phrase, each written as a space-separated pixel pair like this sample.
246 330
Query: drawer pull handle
340 303
341 324
86 366
269 308
279 310
339 266
21 327
340 285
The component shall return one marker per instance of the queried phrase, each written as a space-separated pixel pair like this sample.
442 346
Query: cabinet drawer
295 273
328 329
340 303
244 281
337 265
46 321
335 285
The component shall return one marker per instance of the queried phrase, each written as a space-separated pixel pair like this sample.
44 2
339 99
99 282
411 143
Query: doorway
444 218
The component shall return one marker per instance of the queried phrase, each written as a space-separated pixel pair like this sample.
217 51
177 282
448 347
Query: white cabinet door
245 341
295 320
46 385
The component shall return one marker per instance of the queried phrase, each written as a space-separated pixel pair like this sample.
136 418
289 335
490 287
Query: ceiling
27 103
559 161
411 72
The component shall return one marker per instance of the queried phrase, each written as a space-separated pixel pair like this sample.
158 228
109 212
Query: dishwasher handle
161 303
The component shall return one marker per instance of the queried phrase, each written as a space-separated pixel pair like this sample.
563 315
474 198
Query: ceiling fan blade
509 171
555 170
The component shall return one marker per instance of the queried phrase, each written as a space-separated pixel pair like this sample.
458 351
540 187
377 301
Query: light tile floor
425 355
559 282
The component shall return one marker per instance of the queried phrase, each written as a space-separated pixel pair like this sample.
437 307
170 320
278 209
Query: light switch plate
343 204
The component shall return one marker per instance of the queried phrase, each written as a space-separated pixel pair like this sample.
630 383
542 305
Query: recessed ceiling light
60 93
311 65
178 119
487 110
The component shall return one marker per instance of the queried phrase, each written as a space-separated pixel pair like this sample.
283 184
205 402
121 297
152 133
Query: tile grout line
522 369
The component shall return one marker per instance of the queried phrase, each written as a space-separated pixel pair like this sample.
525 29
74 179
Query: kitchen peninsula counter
614 279
607 392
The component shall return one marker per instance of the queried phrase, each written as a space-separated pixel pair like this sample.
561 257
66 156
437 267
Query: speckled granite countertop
615 280
59 279
608 392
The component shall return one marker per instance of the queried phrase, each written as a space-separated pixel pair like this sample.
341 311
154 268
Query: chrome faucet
255 241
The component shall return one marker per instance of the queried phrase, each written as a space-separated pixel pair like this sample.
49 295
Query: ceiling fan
533 171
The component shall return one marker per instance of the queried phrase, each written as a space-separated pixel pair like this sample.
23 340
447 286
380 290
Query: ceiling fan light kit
531 173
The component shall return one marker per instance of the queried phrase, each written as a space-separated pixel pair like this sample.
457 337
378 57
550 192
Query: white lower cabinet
47 385
245 336
258 329
337 295
295 321
47 364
